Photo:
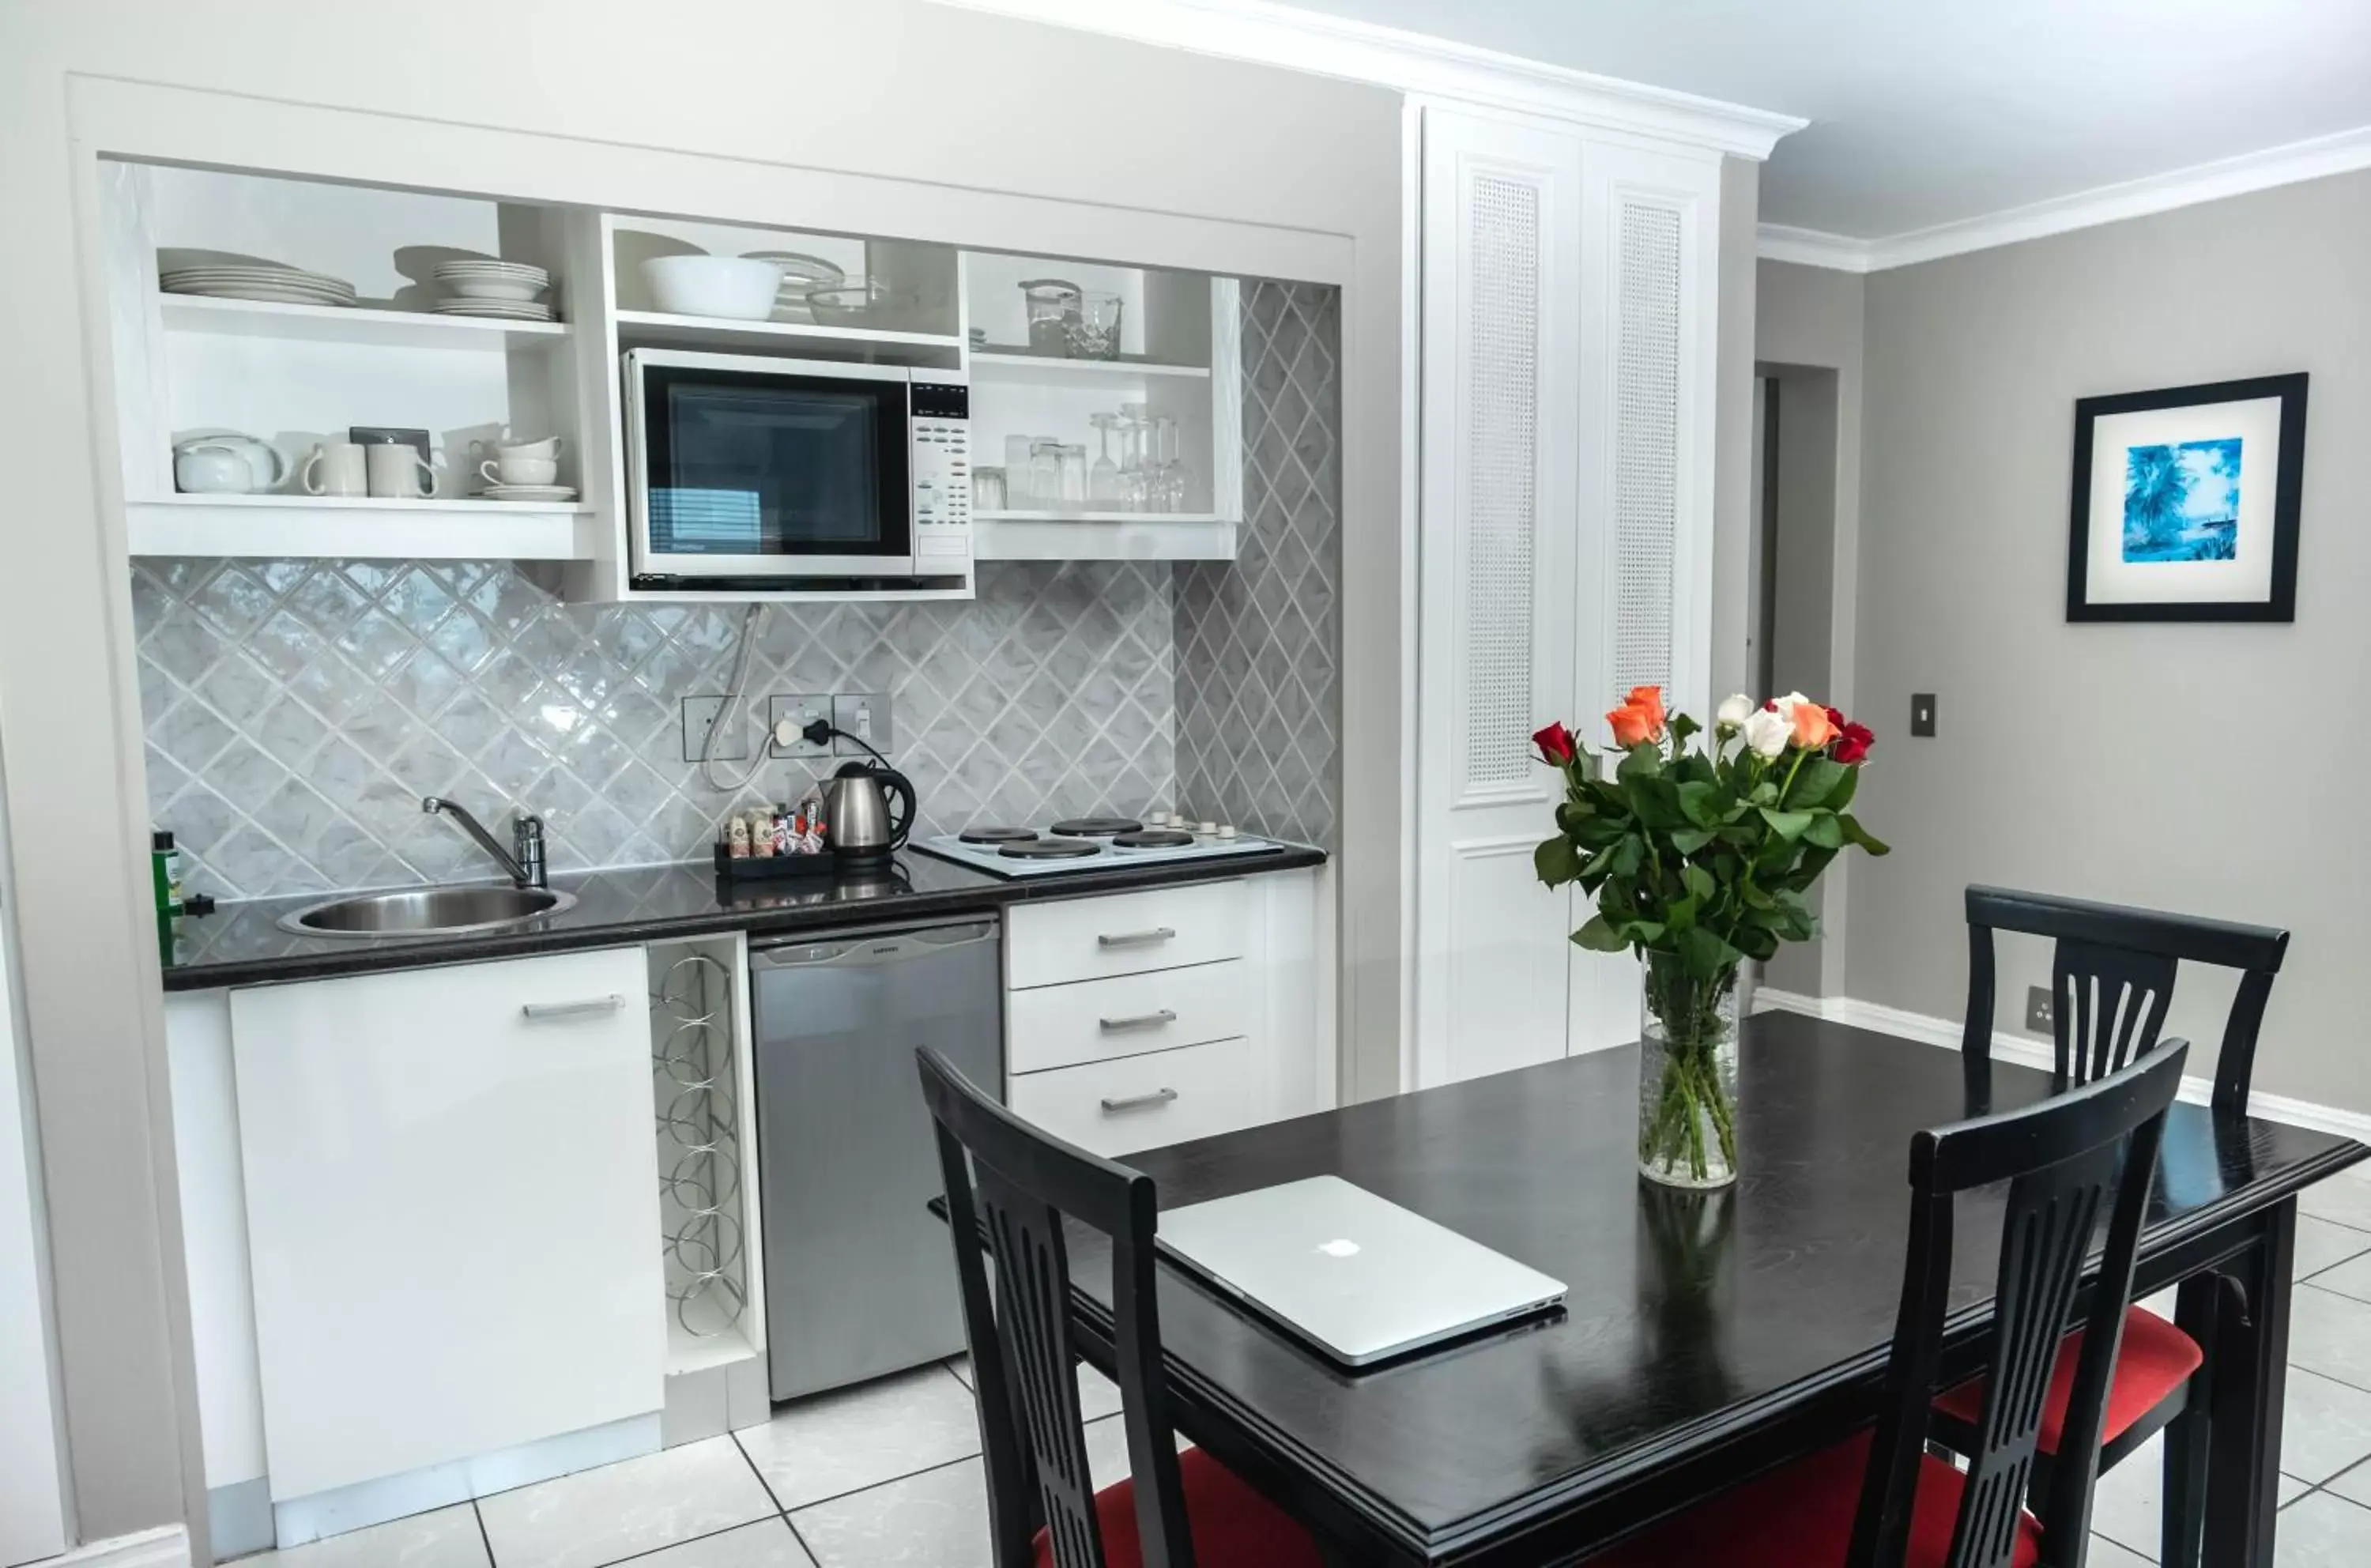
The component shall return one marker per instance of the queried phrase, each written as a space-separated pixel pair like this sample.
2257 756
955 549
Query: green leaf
1683 727
1656 801
1826 831
1701 803
1625 858
1688 840
1764 795
1698 881
1706 953
1599 936
1815 782
1680 915
1842 796
1642 761
1787 826
1856 834
1755 942
1556 862
1643 933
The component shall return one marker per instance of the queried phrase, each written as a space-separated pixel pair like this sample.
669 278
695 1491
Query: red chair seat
2155 1360
1801 1516
1233 1526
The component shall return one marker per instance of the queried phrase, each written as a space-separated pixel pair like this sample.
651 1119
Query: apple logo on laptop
1339 1248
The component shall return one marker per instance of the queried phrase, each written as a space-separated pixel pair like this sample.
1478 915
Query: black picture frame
2288 493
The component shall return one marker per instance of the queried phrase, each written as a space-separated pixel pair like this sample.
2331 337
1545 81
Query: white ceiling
1935 112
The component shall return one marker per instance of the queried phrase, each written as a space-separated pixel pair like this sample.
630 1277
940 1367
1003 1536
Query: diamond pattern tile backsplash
296 711
1259 703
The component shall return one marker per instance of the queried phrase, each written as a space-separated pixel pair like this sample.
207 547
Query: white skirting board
167 1546
1945 1032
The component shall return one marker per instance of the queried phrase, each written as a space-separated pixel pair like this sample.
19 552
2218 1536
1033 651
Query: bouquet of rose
1700 857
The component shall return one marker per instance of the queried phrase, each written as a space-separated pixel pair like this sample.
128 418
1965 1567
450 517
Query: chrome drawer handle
1138 1101
544 1012
1136 939
1141 1020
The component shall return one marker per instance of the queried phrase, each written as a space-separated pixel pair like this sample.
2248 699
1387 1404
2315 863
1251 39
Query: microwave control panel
941 426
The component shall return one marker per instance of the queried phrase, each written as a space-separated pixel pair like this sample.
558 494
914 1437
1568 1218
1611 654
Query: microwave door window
768 472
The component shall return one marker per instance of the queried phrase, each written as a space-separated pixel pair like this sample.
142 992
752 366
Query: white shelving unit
1019 365
658 329
352 323
358 527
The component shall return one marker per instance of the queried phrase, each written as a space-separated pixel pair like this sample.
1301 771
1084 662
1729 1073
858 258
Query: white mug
342 468
397 472
519 471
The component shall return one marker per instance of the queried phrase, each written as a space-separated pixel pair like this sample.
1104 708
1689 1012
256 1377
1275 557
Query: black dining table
1705 1337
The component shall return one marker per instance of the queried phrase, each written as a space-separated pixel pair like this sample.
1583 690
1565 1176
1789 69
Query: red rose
1853 741
1555 743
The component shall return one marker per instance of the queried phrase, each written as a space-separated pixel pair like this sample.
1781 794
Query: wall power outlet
2039 1009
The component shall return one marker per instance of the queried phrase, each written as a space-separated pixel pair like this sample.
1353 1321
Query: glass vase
1687 1074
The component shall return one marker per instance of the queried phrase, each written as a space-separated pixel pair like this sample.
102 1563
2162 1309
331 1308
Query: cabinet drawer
1127 1015
1142 1101
1127 933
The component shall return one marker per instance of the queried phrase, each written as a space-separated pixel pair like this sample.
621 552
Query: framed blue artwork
2185 505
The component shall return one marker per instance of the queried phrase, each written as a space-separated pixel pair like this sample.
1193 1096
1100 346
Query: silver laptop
1359 1276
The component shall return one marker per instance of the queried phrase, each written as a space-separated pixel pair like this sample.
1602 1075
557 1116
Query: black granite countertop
243 944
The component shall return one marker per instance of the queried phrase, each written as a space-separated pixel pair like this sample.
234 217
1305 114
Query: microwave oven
745 474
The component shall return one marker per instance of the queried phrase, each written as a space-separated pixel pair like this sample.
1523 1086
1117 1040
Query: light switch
1922 714
864 715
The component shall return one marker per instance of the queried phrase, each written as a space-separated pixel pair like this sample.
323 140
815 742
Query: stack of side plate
505 289
547 494
272 284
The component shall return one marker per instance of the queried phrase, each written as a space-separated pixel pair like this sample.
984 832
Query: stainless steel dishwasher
860 1280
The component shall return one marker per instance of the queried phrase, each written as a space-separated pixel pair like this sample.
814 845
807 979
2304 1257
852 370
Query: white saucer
530 492
505 309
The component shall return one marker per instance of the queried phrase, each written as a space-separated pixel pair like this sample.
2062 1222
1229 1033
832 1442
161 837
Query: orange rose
1813 728
1649 700
1633 725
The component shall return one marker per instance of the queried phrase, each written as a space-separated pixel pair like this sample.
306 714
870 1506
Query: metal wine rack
699 1158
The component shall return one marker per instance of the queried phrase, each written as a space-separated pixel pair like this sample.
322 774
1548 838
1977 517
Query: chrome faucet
522 863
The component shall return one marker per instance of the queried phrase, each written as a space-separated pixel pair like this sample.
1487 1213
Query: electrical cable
731 711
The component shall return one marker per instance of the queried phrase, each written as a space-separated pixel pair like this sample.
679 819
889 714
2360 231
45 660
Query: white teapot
227 463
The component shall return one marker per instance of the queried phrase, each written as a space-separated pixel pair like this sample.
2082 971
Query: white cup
397 472
545 449
337 467
519 470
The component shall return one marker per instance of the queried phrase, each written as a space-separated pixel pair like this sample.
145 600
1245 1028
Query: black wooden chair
1881 1500
1012 1186
2112 974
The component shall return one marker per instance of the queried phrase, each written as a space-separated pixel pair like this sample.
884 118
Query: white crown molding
1813 248
165 1547
2343 153
1943 1032
1413 62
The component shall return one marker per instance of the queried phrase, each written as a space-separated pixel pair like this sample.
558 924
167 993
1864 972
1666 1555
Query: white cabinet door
453 1211
1498 533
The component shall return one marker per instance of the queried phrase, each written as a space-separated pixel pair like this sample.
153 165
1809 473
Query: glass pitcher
1054 307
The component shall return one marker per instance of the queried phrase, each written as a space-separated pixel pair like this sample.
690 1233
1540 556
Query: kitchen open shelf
352 323
1001 363
660 330
1101 535
359 527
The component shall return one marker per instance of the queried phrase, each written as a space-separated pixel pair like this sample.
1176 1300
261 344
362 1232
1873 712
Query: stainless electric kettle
856 805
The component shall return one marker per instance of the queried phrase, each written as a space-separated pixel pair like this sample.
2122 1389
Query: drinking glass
1094 326
1074 476
1017 494
1045 474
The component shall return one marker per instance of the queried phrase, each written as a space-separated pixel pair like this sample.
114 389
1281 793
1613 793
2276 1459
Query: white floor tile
2323 1531
2106 1553
2352 1277
445 1538
769 1543
858 1438
937 1519
2291 1490
597 1517
2325 1427
2124 1507
1098 1395
2331 1334
2321 1245
2354 1485
2344 1198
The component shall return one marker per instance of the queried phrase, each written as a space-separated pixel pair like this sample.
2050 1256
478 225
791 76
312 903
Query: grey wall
1259 698
1019 110
2209 768
298 710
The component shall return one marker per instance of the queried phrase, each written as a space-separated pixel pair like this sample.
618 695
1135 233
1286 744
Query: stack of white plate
509 291
544 493
267 281
800 273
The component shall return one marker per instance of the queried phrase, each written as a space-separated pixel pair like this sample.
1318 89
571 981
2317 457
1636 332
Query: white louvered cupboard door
1650 303
1500 401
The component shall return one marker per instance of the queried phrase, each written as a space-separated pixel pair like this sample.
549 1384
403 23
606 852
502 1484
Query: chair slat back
2070 1162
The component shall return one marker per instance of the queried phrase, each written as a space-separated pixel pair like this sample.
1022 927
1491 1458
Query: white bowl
490 287
730 286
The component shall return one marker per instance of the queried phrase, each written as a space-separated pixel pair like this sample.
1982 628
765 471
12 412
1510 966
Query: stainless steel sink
427 912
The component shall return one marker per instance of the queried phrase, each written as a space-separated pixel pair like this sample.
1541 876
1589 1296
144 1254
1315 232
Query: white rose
1766 733
1734 711
1788 703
